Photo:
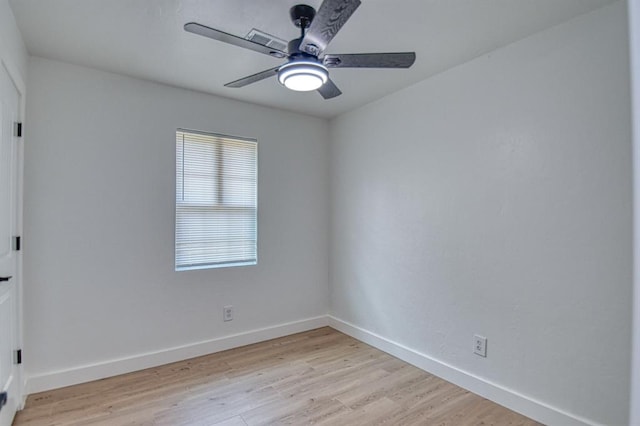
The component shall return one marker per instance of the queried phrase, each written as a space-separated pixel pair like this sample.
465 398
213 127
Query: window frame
219 196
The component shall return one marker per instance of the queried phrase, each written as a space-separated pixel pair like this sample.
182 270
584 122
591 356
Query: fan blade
330 17
370 60
254 78
329 90
205 31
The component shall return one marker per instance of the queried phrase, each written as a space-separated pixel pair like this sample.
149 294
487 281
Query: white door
9 383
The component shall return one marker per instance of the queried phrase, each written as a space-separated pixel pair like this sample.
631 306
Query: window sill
215 266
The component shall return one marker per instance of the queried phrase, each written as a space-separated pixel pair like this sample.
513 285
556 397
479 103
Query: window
216 200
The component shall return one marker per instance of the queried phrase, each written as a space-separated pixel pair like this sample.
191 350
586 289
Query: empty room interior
438 230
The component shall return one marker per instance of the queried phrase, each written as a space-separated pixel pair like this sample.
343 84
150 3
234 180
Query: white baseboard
509 398
87 373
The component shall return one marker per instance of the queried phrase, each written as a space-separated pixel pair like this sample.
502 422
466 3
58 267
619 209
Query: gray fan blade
370 60
205 31
329 90
330 17
254 78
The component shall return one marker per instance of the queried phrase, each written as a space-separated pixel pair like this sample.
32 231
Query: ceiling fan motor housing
294 49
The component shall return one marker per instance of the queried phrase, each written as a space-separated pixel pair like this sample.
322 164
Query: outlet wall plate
480 345
227 313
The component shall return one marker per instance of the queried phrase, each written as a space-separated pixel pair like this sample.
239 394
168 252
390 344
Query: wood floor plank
320 377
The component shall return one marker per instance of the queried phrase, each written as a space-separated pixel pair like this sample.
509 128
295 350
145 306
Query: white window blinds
216 200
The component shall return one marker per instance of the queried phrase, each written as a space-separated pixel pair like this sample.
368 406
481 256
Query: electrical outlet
227 313
480 345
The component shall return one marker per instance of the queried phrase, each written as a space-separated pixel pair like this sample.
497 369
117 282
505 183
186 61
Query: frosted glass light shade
303 76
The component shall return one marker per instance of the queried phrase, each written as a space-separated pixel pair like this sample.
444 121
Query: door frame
16 78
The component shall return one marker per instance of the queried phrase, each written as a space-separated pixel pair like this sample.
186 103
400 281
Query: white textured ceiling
145 39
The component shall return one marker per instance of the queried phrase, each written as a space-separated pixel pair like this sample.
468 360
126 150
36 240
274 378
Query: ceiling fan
305 69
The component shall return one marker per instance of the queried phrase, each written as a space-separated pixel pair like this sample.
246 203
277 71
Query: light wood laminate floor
317 377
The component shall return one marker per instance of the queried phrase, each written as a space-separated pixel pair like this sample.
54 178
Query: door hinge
17 129
18 357
17 243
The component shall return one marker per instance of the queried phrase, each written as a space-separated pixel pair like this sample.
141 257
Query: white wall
495 198
12 46
100 284
634 36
